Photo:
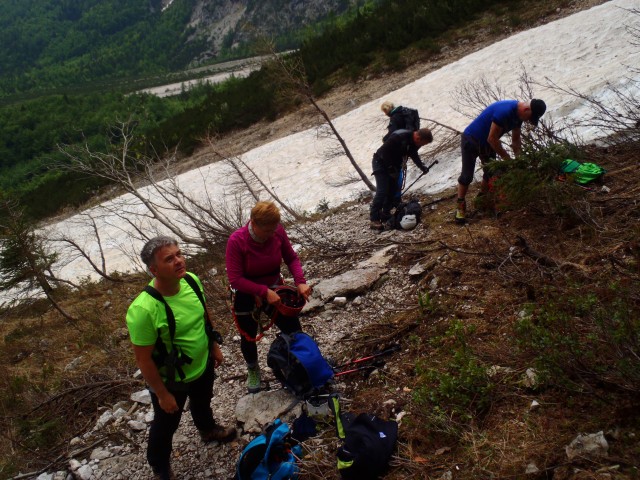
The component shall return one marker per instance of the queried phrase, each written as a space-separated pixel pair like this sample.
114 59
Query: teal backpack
270 455
581 173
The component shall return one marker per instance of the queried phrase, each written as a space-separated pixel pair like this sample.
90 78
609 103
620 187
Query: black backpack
411 118
368 443
297 362
410 208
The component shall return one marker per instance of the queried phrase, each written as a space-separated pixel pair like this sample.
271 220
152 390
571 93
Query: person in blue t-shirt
482 139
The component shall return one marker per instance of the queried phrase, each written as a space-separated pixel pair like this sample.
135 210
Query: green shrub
38 433
428 45
460 389
393 60
585 336
529 181
427 303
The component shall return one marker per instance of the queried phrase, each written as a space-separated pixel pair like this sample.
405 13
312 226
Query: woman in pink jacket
254 256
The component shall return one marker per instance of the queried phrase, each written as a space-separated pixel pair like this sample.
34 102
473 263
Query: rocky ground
429 279
412 288
378 288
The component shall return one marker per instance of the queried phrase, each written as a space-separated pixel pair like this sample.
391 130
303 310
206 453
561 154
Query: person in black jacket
400 118
387 164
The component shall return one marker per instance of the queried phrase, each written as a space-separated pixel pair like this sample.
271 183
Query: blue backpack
297 362
270 455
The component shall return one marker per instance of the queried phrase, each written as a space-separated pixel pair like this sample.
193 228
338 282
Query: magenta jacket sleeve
235 267
290 257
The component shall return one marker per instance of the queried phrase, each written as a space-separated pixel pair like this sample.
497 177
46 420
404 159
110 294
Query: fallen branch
94 385
544 260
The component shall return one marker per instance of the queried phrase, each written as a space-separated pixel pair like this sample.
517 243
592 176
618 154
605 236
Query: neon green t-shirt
146 316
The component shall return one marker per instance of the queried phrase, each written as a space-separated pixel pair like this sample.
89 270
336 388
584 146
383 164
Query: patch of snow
586 51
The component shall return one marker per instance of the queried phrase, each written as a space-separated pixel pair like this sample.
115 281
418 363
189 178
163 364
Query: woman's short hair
386 107
265 213
148 252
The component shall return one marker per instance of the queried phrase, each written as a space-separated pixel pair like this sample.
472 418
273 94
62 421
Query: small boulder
143 396
588 445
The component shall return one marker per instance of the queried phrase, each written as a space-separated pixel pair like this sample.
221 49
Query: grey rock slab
257 410
381 258
351 283
100 454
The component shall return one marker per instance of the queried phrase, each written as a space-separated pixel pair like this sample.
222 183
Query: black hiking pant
164 425
385 197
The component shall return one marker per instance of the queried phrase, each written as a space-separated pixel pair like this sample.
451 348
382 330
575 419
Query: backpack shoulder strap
400 130
194 286
171 319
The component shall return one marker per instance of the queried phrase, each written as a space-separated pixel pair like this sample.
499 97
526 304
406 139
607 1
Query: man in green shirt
191 374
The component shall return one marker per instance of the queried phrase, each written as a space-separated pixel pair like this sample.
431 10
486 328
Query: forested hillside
44 45
86 38
48 45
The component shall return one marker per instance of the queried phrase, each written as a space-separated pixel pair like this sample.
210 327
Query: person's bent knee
465 180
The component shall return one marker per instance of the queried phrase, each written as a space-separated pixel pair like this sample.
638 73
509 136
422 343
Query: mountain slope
47 44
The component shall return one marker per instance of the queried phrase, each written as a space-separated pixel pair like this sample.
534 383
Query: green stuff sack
581 173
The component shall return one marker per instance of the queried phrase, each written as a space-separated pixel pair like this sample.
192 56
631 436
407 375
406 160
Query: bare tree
291 75
617 116
81 221
25 261
151 181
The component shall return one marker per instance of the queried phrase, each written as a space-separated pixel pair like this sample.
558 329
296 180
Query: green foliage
426 303
529 181
460 388
585 335
30 133
52 44
394 25
428 45
514 20
17 334
37 433
323 206
393 60
25 260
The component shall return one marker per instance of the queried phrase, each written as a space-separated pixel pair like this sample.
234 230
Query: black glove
424 169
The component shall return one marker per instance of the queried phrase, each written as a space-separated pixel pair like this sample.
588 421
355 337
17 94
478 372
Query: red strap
248 337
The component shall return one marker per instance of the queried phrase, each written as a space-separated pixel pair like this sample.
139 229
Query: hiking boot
253 379
164 475
376 225
461 211
219 434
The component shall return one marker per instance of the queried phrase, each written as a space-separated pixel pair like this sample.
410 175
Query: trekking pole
362 368
419 177
388 351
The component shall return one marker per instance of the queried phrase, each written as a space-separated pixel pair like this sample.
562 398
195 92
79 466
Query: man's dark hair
148 252
425 135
